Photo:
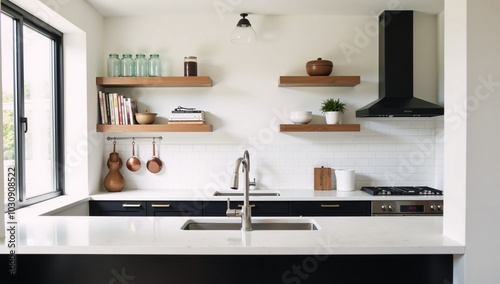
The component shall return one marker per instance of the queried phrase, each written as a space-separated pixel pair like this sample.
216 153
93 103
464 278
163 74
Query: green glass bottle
141 65
127 64
114 65
154 65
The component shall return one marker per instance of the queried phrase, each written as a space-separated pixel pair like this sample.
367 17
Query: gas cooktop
401 190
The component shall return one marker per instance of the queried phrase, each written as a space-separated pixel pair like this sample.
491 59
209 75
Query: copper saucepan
133 163
120 162
154 164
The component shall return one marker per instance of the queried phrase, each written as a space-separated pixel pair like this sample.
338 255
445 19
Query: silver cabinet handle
160 205
330 205
251 205
125 205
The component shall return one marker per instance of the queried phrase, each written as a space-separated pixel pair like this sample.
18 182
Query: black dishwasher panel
330 208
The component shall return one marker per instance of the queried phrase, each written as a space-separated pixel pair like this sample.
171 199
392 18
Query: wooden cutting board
322 178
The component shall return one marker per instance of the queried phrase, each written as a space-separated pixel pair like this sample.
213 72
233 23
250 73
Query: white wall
83 145
245 105
472 156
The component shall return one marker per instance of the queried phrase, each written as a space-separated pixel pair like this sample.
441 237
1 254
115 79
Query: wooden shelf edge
320 128
319 81
173 81
155 128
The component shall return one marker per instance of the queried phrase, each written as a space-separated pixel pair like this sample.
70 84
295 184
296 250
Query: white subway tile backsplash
403 132
320 148
186 148
404 124
385 152
321 162
425 132
418 124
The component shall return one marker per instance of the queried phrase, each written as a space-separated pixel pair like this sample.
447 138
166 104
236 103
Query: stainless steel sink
251 193
257 225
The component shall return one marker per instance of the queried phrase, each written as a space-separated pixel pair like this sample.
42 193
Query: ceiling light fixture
243 33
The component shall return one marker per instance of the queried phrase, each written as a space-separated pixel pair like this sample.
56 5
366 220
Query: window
32 103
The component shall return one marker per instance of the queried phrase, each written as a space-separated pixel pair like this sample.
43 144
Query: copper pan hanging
154 164
133 163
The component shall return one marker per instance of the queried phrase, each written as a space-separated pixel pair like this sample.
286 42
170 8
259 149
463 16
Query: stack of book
182 115
116 109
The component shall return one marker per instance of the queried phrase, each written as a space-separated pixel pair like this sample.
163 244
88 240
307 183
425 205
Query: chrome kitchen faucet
245 212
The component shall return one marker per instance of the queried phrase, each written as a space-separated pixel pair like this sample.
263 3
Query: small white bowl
301 117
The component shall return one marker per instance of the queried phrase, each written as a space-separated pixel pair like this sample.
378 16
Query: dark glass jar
190 66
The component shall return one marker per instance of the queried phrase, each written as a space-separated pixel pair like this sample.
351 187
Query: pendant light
243 33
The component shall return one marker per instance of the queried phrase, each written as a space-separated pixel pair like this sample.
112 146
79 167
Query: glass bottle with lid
114 65
154 65
141 65
127 64
190 66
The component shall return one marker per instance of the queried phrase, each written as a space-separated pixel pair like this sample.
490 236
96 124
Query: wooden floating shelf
192 81
320 128
155 128
319 81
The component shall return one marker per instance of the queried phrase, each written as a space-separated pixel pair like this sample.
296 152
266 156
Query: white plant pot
332 117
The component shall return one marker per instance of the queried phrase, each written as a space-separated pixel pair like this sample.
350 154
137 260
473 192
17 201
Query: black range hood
396 71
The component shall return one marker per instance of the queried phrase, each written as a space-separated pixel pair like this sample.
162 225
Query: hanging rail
133 138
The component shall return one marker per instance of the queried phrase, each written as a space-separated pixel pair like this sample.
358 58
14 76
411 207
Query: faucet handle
232 212
252 183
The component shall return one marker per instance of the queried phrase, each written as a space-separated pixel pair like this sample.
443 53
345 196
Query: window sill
50 207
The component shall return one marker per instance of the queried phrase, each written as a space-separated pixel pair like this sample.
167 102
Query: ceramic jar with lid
319 67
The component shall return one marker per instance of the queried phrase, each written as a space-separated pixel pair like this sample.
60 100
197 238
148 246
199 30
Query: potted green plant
332 109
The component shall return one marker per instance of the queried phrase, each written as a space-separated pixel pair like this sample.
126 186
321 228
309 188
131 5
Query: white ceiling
116 8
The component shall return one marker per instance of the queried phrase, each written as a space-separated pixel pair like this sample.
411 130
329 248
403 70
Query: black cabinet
146 208
117 208
330 208
259 208
65 268
218 208
174 208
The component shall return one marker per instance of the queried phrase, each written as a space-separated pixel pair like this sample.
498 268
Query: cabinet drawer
117 208
174 208
330 208
259 208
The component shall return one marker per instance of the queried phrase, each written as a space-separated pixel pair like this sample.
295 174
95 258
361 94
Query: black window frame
23 18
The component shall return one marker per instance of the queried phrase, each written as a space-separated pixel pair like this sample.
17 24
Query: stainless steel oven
407 208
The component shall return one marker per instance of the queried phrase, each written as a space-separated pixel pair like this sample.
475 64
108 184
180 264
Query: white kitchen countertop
163 235
285 195
38 234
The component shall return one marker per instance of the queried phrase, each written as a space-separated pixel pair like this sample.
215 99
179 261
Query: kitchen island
57 249
146 247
